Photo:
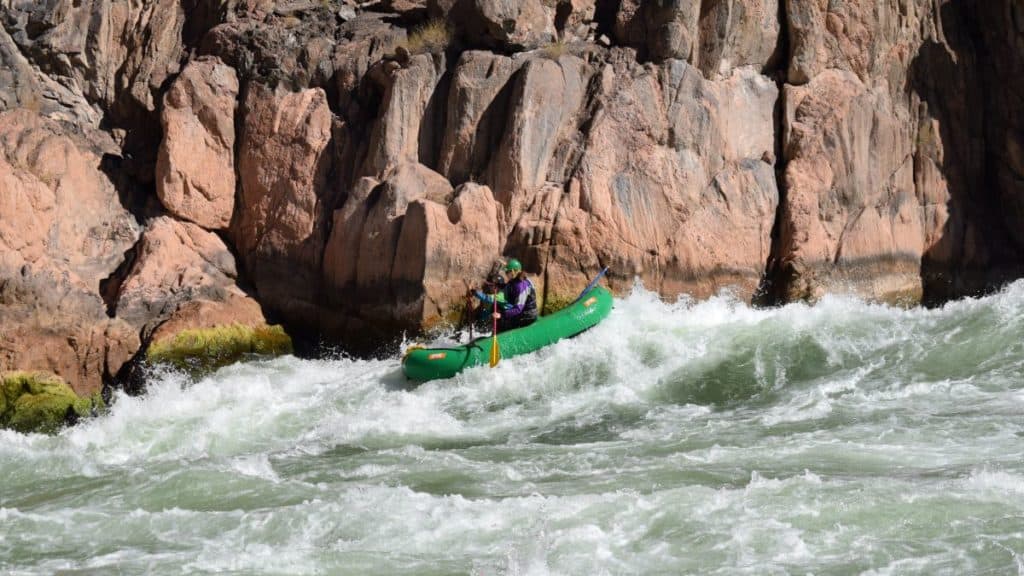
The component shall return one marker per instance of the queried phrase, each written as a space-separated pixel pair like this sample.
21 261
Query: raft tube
433 363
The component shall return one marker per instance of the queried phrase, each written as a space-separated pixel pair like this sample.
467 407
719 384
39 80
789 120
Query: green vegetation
39 402
554 302
555 50
211 348
432 37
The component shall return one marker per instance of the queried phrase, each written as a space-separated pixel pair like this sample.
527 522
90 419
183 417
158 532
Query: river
674 438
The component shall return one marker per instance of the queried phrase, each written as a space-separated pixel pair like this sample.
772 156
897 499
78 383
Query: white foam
255 465
998 481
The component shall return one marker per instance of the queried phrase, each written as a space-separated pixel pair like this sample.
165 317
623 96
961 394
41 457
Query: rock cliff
346 169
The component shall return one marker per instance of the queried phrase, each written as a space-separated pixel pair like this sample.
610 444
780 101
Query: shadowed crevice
771 290
959 87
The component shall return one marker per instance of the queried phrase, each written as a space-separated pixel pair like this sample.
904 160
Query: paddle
495 353
591 285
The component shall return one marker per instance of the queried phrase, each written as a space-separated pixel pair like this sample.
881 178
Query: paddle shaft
467 311
495 355
467 317
591 285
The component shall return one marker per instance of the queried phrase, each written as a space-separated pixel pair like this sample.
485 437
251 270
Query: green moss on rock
211 348
555 302
39 402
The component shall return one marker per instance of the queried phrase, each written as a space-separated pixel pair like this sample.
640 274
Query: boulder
197 318
442 248
195 170
378 248
200 350
513 24
181 294
401 252
176 263
342 252
201 314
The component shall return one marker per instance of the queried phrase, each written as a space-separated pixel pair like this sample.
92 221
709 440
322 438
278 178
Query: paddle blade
495 352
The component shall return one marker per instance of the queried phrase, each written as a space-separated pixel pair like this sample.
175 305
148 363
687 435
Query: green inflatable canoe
432 363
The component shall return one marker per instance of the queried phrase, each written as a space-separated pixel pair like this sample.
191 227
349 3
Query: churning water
699 438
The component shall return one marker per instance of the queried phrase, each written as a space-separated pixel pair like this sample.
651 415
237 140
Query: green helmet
513 266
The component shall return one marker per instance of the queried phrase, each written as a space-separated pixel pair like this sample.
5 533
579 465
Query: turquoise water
686 438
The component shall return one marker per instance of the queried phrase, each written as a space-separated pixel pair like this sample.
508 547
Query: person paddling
493 289
521 297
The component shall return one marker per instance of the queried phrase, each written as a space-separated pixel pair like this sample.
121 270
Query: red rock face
678 191
283 165
888 190
852 219
362 178
402 130
477 102
63 231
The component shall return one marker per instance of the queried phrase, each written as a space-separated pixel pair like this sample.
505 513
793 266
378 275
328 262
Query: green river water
684 438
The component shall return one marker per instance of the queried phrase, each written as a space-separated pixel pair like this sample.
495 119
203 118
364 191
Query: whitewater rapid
685 437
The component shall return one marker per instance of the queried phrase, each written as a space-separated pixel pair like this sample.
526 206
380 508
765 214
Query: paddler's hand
496 316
